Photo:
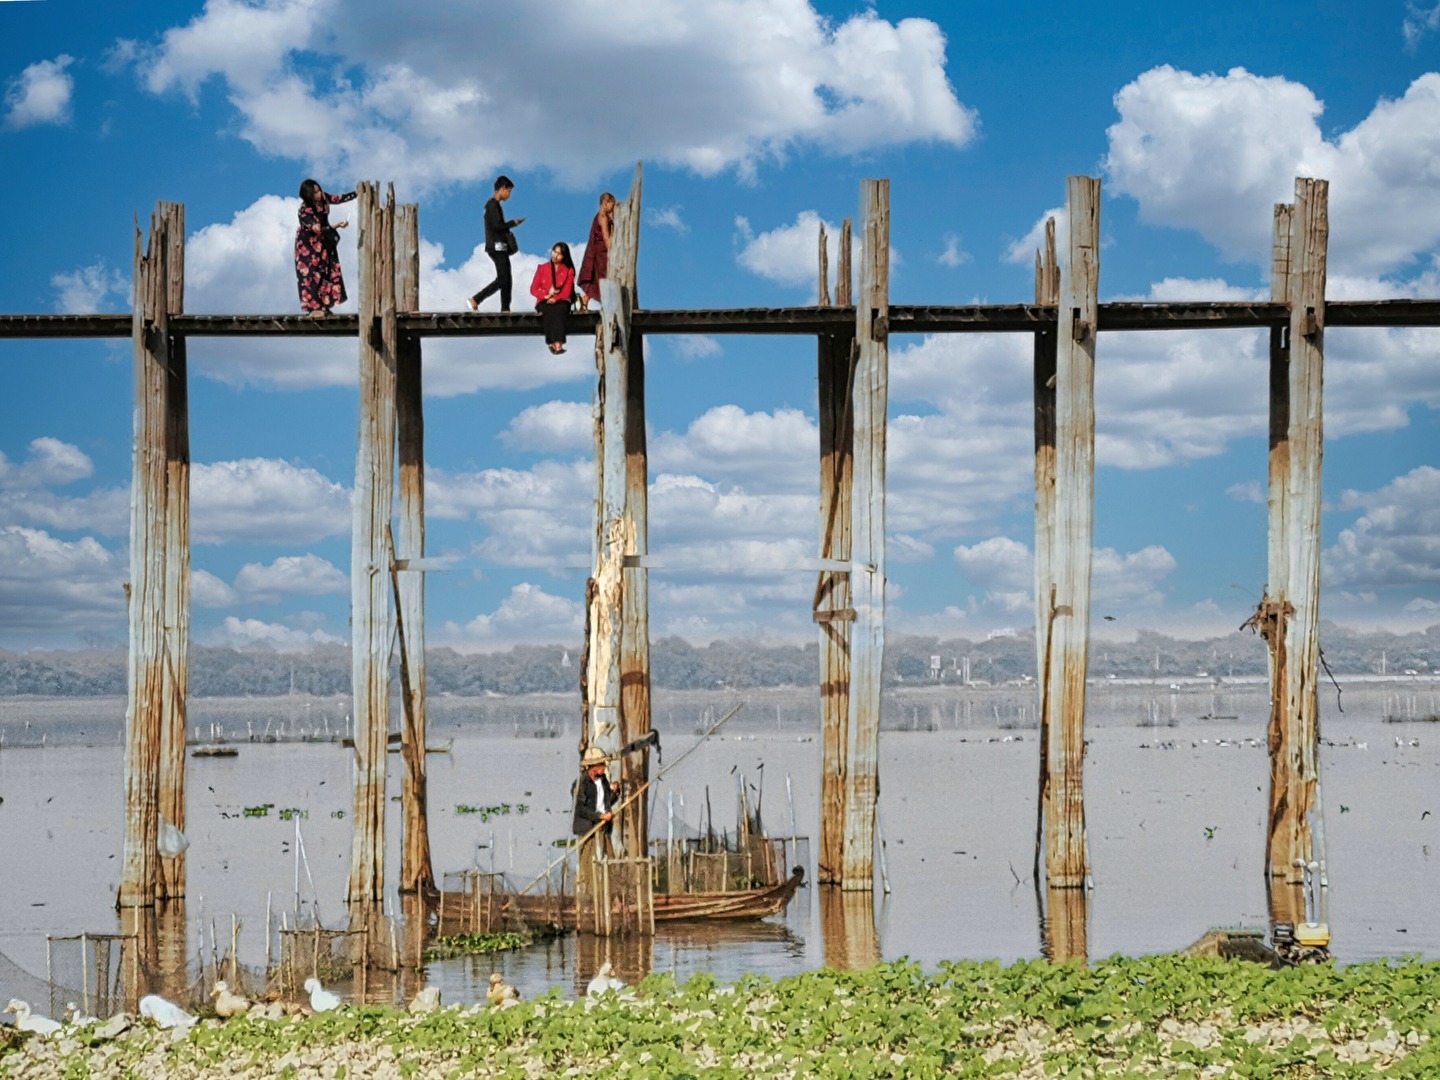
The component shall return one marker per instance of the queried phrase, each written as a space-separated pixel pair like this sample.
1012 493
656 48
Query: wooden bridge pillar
159 585
832 610
370 588
416 871
1289 615
1068 621
635 586
1047 293
870 398
615 538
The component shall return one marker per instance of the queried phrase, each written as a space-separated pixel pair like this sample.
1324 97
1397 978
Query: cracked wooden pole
635 586
417 873
149 537
615 536
1066 855
1295 738
176 676
831 607
1047 293
870 396
370 587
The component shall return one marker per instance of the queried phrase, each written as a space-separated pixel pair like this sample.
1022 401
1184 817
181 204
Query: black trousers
501 284
552 318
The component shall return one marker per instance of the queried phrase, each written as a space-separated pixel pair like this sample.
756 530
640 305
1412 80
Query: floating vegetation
475 945
1150 1016
488 812
292 812
263 810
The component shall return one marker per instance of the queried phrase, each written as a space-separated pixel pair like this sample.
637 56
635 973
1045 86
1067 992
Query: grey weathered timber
832 589
370 587
869 401
176 676
1272 617
1047 292
635 579
1291 837
145 671
417 873
1066 855
614 528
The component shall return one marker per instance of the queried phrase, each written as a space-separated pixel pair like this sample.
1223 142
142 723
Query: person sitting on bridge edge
553 289
595 797
499 244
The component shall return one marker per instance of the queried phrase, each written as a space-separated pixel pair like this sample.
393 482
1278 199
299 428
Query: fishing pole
624 803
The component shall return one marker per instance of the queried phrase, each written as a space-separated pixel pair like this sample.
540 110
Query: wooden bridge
853 334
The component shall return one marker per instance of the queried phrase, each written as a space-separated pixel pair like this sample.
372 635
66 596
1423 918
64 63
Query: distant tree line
677 664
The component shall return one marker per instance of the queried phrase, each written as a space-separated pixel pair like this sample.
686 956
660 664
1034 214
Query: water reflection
631 957
847 925
1064 925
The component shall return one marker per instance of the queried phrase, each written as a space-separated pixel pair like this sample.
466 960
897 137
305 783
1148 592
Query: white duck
227 1002
27 1021
164 1014
426 1001
321 1000
75 1018
604 981
501 993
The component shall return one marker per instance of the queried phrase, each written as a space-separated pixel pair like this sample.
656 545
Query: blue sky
756 120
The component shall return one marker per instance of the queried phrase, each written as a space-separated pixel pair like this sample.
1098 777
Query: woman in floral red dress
317 262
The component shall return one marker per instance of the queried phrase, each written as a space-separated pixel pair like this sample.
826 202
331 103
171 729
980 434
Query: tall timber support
1068 622
1289 615
1047 293
869 402
831 608
158 590
416 872
615 525
370 557
635 586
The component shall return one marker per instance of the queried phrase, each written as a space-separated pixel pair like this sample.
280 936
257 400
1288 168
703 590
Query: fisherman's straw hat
593 756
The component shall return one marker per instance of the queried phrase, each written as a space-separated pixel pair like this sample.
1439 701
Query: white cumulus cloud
40 94
265 500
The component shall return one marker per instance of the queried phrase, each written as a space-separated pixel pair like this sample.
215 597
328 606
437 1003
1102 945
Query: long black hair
308 190
564 253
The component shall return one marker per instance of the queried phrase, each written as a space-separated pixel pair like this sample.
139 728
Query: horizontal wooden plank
903 319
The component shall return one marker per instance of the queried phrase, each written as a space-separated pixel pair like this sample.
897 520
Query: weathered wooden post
176 676
832 610
635 586
149 647
1047 293
1296 668
369 548
1066 855
870 399
416 871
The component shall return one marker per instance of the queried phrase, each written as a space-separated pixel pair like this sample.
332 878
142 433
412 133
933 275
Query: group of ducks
228 1004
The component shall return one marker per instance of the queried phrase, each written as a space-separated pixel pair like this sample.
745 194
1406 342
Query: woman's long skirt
317 273
552 318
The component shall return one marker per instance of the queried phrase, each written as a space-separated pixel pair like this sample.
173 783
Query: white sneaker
473 305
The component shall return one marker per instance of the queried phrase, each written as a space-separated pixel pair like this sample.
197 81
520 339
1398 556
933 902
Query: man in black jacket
499 244
594 795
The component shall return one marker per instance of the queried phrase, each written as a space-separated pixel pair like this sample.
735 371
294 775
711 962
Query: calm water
1175 809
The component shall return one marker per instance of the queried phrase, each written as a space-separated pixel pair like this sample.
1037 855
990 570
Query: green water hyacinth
1170 1016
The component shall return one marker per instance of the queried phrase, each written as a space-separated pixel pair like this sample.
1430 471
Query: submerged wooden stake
416 871
1066 855
832 610
369 553
870 398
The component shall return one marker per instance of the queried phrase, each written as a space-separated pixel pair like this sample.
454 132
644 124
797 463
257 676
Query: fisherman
595 798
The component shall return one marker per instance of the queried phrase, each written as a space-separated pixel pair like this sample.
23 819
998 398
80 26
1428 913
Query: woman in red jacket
553 289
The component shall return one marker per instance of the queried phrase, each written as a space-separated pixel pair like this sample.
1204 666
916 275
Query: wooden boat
748 904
